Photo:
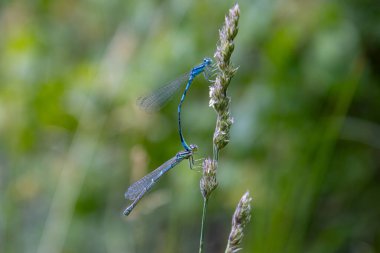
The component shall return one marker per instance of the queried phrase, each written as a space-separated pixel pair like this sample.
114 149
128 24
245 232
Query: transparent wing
210 72
160 97
136 188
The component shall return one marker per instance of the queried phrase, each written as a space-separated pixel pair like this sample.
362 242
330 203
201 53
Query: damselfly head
193 147
207 61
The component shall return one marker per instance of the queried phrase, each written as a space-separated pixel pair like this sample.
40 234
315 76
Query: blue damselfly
160 97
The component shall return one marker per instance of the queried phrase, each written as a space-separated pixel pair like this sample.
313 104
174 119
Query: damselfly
159 98
138 189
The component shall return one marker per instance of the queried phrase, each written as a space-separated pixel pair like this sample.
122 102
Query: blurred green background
306 138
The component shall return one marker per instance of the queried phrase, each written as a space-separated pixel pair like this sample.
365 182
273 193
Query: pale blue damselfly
138 189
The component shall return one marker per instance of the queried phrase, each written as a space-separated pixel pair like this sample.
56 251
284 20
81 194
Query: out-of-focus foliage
306 138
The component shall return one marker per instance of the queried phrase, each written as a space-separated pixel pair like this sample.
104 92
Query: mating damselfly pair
154 102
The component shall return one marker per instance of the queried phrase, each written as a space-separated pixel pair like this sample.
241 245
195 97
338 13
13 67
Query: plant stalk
201 240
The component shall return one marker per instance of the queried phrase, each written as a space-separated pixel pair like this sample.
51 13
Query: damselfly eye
193 147
207 61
